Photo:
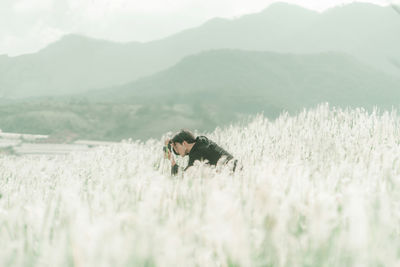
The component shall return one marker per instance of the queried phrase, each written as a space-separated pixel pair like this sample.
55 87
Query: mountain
76 63
207 90
289 81
73 64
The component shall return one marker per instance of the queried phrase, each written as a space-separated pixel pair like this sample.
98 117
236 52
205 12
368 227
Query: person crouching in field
200 148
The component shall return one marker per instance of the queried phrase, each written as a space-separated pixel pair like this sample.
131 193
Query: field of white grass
321 188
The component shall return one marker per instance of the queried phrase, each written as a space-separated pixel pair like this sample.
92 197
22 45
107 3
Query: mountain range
207 90
75 64
290 81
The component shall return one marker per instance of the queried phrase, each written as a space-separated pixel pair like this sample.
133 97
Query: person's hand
167 141
168 152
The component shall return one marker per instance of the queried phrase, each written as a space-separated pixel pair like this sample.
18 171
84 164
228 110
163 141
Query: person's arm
168 155
174 167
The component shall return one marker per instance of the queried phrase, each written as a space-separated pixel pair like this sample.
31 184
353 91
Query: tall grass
318 189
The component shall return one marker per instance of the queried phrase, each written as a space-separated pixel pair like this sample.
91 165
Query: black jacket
204 149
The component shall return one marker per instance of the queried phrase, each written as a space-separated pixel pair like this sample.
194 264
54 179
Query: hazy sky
29 25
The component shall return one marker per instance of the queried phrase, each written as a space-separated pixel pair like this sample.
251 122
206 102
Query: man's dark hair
184 135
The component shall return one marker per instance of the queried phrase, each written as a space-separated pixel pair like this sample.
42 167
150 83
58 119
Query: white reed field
321 188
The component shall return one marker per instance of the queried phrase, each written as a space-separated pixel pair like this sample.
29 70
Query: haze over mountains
284 58
207 90
75 63
290 81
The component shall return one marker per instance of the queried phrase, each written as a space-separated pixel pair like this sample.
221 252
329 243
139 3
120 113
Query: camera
168 148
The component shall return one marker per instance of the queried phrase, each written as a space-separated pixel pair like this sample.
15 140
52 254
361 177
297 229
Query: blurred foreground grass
318 189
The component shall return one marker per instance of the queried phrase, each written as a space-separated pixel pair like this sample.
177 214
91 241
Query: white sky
27 26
